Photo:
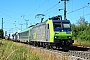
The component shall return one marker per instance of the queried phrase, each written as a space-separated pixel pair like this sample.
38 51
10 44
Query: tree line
81 30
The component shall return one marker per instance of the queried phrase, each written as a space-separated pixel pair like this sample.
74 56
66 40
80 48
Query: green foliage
81 30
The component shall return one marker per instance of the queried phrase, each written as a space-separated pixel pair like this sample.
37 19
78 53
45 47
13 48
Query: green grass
10 51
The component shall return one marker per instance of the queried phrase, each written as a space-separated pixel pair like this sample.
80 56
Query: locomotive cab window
57 25
66 25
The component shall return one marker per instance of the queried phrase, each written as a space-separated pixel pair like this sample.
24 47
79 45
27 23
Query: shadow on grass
79 48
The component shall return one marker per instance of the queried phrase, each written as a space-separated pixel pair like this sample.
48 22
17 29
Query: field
10 50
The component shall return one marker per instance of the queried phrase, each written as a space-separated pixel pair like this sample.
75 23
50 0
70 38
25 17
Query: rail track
75 53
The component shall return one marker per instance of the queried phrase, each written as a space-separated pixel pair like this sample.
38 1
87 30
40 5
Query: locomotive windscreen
59 26
66 25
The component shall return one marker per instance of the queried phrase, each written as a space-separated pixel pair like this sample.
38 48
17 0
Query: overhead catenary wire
85 6
79 16
47 11
26 11
77 9
8 15
50 11
23 15
51 7
31 6
42 5
38 7
15 12
8 11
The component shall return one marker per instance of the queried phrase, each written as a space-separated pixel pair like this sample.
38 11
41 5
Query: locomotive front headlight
69 37
55 37
62 30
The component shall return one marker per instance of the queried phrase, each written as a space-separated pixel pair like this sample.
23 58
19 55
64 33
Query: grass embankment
11 51
82 42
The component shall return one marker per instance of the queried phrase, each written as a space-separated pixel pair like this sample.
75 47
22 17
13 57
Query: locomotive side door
47 33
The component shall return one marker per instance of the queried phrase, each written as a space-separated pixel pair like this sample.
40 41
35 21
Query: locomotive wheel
47 45
66 48
44 46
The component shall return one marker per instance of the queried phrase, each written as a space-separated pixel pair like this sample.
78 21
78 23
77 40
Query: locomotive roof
25 30
38 24
61 20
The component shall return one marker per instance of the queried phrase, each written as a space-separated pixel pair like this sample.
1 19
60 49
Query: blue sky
15 12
